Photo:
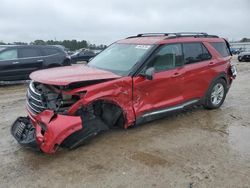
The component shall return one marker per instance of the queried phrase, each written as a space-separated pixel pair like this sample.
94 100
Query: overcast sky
105 21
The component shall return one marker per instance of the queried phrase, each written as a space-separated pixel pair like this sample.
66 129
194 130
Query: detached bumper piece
47 131
24 132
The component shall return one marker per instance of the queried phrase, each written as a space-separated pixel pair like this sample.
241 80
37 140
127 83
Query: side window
195 52
222 48
50 51
168 57
8 54
29 52
89 53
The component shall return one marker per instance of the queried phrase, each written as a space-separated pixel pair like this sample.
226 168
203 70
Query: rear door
164 90
88 55
30 59
9 64
198 72
53 56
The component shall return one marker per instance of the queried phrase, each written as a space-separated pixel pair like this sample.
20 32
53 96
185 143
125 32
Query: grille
34 100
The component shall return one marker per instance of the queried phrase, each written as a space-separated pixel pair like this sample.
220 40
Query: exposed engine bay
41 97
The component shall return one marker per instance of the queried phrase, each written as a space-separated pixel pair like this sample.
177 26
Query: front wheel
216 94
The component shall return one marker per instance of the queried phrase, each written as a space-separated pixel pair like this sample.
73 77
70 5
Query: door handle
15 62
176 74
211 63
39 60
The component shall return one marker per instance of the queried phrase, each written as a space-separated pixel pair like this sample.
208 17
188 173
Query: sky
105 21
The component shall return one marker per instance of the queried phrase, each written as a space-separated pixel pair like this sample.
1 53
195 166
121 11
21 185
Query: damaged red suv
135 80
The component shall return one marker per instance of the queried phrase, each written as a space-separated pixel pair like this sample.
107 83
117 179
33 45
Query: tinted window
195 52
222 48
50 51
29 52
168 57
8 54
89 53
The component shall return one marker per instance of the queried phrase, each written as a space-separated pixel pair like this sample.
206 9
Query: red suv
135 80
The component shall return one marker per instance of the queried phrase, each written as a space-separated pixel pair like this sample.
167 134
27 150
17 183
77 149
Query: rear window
51 51
195 52
222 48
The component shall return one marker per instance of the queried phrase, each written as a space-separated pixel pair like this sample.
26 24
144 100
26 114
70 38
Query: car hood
71 74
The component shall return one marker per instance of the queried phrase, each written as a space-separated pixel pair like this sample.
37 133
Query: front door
164 90
9 64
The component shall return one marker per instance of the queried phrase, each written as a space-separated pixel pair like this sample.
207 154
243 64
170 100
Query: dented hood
70 74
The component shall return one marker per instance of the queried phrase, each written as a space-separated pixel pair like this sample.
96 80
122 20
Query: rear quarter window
221 48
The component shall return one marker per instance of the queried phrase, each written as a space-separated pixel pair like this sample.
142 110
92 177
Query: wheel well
66 62
109 112
96 117
220 76
223 77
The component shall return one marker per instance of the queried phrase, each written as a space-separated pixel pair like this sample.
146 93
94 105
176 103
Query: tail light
233 70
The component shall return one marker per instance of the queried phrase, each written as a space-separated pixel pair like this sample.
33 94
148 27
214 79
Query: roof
142 40
162 38
21 46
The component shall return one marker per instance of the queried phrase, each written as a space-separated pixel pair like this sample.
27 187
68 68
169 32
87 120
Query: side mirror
149 73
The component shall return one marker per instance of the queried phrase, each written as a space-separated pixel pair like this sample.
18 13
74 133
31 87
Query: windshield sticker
145 47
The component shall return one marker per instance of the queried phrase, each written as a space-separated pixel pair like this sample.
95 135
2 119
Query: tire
66 62
216 94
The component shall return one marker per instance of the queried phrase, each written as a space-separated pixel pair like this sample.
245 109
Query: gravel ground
198 148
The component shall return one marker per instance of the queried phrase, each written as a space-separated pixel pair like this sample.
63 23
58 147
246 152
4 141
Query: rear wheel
216 94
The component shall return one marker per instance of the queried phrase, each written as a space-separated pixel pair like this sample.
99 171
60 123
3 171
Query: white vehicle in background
244 56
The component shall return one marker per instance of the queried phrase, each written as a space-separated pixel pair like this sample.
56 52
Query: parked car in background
18 61
244 56
234 51
82 55
133 81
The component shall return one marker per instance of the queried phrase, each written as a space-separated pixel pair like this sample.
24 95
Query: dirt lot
198 148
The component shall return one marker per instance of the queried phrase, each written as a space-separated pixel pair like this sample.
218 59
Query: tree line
245 40
69 44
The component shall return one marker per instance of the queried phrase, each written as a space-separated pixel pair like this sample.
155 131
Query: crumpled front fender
52 129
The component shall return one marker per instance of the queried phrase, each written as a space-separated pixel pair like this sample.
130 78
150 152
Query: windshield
120 58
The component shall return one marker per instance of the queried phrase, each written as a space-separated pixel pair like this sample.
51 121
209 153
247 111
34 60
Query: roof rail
175 35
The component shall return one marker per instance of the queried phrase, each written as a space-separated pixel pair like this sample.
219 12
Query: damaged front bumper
24 132
45 131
